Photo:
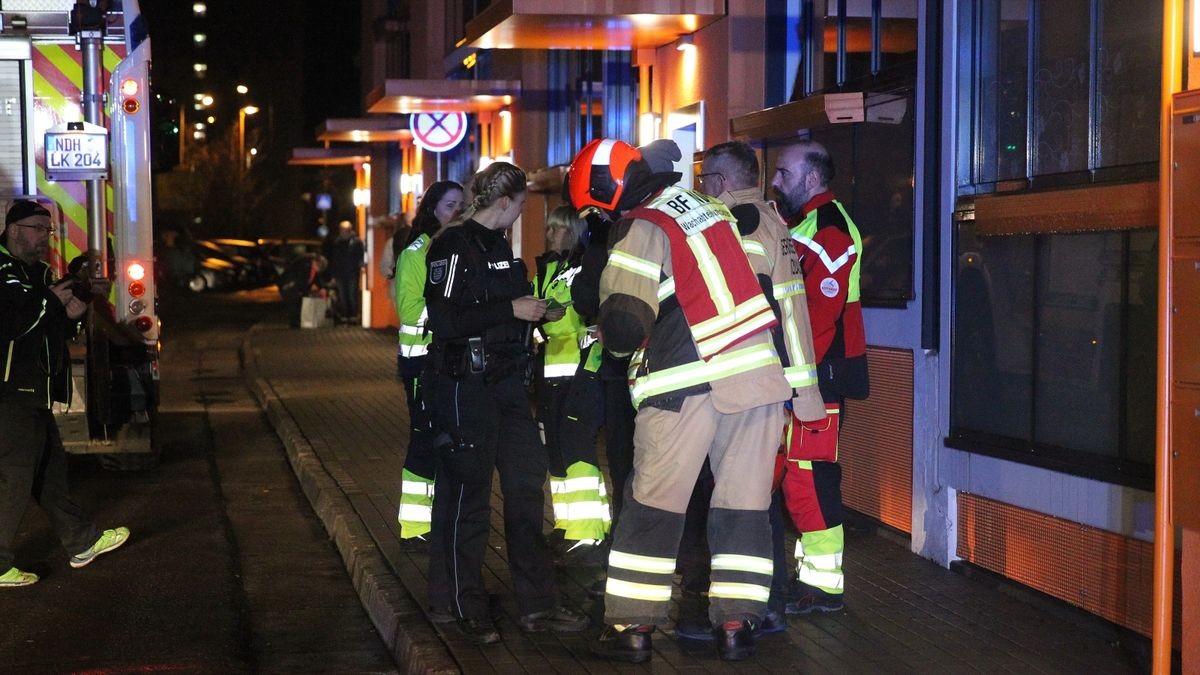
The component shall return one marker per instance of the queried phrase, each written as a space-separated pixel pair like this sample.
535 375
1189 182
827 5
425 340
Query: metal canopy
588 24
328 157
412 96
365 130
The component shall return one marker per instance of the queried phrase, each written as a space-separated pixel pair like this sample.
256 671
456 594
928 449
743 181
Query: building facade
1002 161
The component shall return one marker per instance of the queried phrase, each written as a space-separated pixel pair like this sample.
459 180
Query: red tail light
143 323
135 271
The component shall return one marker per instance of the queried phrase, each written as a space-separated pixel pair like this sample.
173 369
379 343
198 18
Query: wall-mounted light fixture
649 125
412 183
685 42
1195 28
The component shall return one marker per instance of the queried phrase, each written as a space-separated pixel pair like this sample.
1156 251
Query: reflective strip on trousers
819 561
743 563
580 502
642 563
416 505
636 591
736 591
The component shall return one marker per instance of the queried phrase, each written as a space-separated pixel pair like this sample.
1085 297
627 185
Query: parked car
214 269
259 268
282 251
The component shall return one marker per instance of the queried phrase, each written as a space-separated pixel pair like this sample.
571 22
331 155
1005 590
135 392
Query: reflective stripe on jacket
410 298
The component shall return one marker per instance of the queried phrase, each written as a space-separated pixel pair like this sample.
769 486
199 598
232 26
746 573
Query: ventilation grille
1105 573
876 446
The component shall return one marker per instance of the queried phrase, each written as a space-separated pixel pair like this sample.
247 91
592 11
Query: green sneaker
108 541
15 577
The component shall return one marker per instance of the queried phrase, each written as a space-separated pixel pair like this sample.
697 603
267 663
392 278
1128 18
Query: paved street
232 567
334 395
227 571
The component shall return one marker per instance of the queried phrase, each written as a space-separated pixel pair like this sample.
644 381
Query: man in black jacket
37 318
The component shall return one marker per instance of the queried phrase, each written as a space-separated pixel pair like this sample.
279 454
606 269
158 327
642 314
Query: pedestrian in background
420 474
481 314
570 397
831 248
37 318
397 229
346 261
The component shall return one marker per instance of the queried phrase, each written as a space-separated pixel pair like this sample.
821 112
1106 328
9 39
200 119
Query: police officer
480 314
679 292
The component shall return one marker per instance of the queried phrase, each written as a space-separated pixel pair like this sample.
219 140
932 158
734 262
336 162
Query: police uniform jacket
471 282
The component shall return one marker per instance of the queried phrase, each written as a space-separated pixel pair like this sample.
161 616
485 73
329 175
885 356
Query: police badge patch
437 271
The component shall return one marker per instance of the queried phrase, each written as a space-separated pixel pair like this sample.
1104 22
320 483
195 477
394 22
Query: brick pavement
334 399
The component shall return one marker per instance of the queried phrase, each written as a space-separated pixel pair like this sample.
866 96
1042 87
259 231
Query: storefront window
1059 92
1054 344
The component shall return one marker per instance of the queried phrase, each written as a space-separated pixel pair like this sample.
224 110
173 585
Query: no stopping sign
438 131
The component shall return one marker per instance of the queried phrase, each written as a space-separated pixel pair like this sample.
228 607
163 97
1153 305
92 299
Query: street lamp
242 112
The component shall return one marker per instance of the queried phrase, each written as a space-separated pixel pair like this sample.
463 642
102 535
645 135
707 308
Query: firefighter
481 314
416 513
830 248
569 395
679 293
730 172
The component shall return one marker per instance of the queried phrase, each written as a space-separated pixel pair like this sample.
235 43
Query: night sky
299 59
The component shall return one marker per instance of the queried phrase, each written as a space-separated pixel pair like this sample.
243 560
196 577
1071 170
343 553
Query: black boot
556 620
479 631
735 640
631 644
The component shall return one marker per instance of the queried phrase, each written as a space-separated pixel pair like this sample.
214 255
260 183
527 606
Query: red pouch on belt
780 464
815 441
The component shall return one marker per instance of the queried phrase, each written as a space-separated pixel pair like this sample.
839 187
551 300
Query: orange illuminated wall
1105 573
875 449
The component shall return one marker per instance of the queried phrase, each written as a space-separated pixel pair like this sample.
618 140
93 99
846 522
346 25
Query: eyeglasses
704 178
48 229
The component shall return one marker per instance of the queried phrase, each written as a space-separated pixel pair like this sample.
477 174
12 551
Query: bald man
830 246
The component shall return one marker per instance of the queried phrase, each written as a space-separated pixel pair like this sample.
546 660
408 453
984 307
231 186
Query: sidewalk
334 399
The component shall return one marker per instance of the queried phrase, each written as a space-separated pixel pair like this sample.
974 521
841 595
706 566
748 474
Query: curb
412 640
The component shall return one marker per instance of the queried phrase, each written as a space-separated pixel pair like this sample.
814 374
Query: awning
328 157
411 96
818 111
365 130
588 24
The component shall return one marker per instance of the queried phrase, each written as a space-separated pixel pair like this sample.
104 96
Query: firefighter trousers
489 427
669 449
695 556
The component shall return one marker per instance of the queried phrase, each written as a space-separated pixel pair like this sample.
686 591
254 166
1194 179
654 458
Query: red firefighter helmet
599 174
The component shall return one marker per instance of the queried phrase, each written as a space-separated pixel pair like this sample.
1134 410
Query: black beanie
22 209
